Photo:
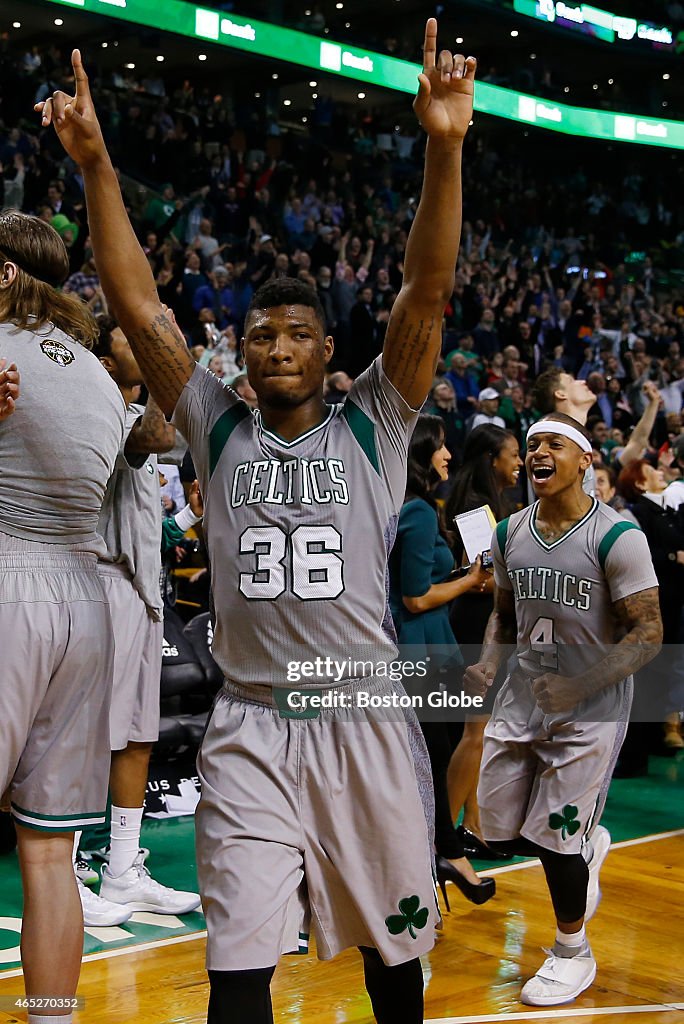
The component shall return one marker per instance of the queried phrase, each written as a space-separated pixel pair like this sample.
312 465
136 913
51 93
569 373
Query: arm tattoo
639 622
151 433
410 355
163 357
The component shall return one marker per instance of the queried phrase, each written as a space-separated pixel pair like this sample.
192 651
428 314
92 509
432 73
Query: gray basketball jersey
564 590
59 447
130 520
299 532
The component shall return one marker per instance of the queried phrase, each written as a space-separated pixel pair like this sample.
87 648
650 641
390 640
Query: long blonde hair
32 300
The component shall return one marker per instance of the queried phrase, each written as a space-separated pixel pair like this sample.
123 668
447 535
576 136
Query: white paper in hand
476 529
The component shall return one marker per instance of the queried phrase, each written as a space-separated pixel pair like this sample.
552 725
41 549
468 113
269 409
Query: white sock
126 825
39 1018
574 939
77 840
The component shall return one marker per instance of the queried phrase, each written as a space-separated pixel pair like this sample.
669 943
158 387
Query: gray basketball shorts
55 685
546 777
310 825
138 639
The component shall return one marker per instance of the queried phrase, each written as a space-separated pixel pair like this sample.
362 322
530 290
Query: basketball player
302 818
58 447
130 523
576 590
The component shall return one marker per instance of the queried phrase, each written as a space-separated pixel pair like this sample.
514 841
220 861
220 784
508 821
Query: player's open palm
444 104
74 118
9 388
195 499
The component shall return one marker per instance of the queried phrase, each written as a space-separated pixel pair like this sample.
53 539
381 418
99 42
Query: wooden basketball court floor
480 959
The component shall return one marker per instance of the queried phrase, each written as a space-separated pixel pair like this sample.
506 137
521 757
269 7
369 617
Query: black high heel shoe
476 849
446 872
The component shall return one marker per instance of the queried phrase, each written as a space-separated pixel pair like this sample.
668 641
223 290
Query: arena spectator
464 384
491 465
488 401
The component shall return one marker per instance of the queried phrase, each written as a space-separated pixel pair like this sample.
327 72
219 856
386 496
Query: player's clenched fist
555 694
74 118
9 388
478 678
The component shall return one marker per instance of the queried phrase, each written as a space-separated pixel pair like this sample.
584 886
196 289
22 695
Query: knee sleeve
240 997
396 993
567 876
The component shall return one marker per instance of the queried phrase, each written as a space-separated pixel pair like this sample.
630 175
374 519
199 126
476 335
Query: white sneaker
560 979
138 891
99 912
87 875
600 845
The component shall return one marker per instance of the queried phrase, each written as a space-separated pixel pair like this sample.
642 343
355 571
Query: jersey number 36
310 559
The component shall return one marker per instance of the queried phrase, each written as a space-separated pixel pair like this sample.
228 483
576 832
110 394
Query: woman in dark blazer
422 584
491 464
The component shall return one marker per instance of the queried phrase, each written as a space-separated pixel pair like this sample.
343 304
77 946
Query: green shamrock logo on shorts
567 821
411 916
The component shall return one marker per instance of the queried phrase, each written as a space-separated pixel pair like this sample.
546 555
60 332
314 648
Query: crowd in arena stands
575 270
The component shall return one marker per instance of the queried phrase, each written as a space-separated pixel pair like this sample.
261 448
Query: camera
487 560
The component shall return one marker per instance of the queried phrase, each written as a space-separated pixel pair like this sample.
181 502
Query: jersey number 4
311 557
542 642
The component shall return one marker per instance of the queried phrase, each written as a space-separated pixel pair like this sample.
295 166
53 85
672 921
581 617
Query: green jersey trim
606 544
302 437
363 429
56 822
564 536
221 431
502 535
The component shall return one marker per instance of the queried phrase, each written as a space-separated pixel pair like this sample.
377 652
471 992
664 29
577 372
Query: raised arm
124 272
444 107
638 439
9 388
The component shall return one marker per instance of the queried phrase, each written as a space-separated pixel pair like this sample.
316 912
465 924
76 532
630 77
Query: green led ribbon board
595 22
322 54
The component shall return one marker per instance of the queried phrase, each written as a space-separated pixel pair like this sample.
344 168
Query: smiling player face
554 463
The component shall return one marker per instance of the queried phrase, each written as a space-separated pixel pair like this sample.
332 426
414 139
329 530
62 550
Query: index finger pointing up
80 76
430 44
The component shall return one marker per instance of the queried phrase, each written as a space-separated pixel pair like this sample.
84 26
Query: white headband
558 427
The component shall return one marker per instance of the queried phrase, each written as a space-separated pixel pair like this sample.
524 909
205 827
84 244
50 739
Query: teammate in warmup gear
576 591
319 817
58 446
130 523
